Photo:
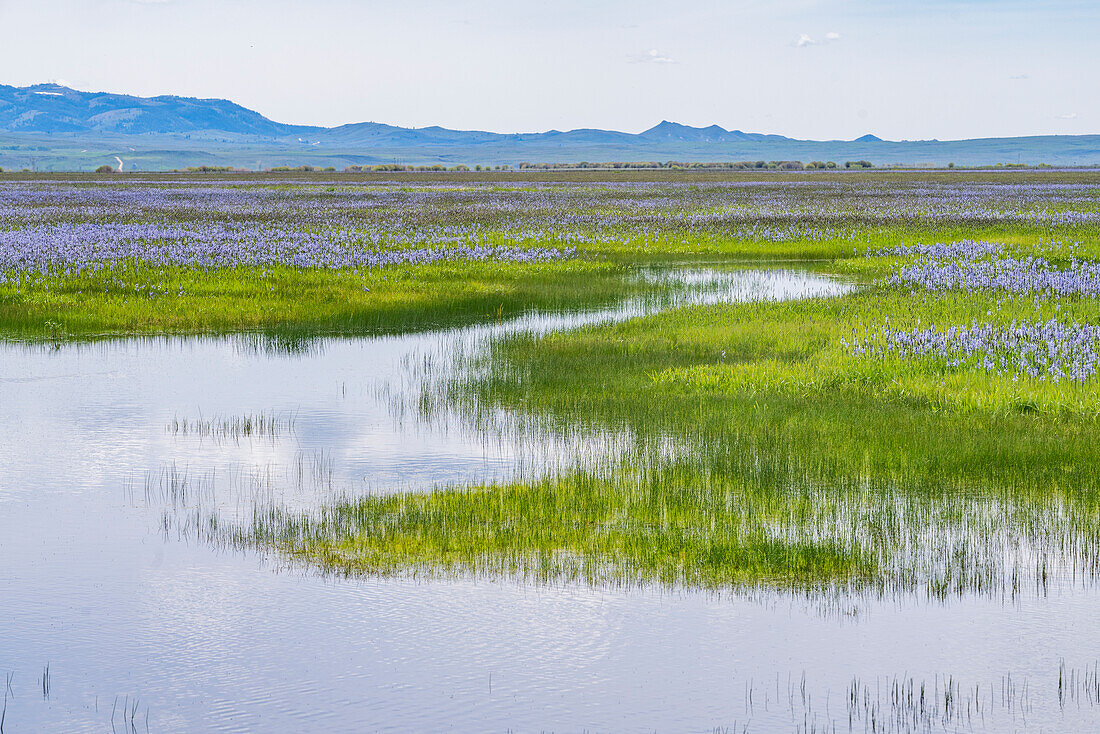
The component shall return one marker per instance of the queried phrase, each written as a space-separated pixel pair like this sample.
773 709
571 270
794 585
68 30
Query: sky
817 69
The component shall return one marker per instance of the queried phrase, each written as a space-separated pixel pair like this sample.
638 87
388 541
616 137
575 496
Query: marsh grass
290 302
8 693
570 530
1078 685
685 526
173 486
717 485
795 464
267 425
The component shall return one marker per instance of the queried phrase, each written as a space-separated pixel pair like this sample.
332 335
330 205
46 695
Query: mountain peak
674 131
666 131
666 126
868 138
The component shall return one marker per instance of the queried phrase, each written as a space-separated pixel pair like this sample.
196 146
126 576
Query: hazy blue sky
811 68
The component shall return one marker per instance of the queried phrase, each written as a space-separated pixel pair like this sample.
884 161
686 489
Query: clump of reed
264 424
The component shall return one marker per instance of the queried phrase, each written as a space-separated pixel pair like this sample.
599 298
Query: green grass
762 454
685 526
798 349
844 243
128 300
776 373
135 299
574 528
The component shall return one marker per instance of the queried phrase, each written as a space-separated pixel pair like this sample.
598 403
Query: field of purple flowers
196 253
1050 292
343 224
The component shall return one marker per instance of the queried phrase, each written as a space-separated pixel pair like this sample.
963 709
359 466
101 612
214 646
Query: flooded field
134 626
550 457
114 615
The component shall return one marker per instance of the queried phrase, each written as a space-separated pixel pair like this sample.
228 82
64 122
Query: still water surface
142 629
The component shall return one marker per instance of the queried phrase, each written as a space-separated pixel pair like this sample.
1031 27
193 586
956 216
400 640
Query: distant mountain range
52 127
52 109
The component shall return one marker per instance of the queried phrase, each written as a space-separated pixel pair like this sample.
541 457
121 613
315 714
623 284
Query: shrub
105 169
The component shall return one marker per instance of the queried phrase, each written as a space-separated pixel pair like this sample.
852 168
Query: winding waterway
111 622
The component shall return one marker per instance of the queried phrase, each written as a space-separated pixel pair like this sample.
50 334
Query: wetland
550 452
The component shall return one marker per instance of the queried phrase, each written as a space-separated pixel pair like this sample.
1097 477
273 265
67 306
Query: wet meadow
673 451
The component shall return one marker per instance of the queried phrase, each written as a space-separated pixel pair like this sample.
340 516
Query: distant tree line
387 167
581 165
617 165
300 169
209 169
685 165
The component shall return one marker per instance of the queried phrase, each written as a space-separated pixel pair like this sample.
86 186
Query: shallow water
147 629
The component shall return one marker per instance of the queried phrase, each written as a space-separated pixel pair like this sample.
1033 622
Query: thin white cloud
652 56
1066 116
805 39
1018 77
